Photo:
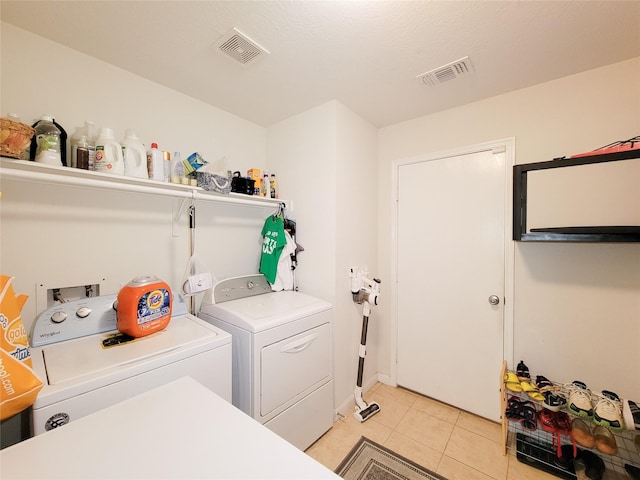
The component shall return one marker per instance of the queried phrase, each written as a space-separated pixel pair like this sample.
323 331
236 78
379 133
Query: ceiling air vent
241 48
450 71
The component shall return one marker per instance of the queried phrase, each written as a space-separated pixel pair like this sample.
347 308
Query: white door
450 265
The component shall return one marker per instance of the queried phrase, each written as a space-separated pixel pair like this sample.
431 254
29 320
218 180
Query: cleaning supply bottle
167 165
176 169
155 163
266 184
82 154
273 184
47 142
134 155
89 132
108 157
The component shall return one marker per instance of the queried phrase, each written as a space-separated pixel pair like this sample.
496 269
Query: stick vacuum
365 292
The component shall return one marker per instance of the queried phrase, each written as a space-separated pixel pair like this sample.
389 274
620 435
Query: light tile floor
444 439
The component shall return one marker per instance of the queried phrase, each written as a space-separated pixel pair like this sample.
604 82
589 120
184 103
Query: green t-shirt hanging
272 245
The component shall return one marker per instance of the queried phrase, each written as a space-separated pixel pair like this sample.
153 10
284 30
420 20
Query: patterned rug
368 460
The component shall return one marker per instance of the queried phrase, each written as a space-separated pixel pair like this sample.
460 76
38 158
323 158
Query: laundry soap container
108 156
144 306
155 163
87 137
47 142
134 155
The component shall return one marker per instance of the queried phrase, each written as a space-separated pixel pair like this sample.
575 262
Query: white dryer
282 360
85 369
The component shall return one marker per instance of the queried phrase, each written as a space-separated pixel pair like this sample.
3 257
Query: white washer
81 376
282 361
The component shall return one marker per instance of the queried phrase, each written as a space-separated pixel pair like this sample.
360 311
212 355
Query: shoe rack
536 448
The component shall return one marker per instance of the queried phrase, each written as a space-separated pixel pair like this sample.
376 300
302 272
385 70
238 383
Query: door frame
506 146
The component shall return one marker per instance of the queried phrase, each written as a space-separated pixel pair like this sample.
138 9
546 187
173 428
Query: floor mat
368 460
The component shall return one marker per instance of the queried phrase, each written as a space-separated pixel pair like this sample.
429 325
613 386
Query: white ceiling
366 54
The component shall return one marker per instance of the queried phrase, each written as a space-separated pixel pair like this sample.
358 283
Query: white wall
577 306
356 245
40 76
69 236
325 157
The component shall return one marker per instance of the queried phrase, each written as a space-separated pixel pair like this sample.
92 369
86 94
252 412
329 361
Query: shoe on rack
634 472
557 424
567 457
582 433
605 441
554 399
594 465
579 467
563 427
547 421
580 399
523 372
608 411
631 414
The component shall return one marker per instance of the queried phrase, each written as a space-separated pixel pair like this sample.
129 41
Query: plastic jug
108 153
89 132
62 142
47 142
134 155
155 163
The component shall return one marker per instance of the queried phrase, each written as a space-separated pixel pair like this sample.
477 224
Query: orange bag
19 385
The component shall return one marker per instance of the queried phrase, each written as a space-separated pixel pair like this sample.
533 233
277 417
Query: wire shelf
627 452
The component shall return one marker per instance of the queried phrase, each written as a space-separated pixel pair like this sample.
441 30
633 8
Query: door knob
494 300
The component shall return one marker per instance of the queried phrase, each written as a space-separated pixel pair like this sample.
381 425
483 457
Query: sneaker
631 414
554 399
547 420
608 411
580 399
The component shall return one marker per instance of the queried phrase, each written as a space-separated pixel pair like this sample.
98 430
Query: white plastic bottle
108 157
266 184
89 131
134 155
176 170
155 163
167 165
47 142
274 186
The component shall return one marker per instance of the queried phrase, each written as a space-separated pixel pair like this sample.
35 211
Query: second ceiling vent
445 73
240 47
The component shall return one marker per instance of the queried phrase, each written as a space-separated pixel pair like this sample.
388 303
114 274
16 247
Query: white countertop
180 430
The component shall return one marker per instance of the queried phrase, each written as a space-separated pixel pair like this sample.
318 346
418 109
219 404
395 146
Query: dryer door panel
294 366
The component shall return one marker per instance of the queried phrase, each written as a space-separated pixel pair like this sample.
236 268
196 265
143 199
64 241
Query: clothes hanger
280 212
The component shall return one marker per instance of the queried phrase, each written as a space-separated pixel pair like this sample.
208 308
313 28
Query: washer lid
68 360
261 312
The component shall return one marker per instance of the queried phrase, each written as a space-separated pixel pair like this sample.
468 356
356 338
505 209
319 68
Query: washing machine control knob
58 317
83 312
